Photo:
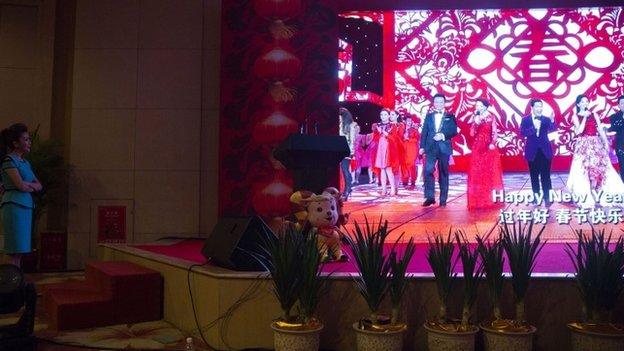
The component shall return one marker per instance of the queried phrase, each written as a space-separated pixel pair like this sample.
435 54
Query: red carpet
552 259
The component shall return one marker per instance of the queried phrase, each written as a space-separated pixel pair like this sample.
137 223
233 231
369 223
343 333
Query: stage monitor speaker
236 243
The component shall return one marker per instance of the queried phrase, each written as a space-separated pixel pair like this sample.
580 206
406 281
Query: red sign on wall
111 224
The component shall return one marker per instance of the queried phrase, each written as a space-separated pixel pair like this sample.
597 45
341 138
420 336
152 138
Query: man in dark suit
538 150
435 142
617 126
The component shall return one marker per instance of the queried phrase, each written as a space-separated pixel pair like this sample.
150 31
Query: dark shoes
428 202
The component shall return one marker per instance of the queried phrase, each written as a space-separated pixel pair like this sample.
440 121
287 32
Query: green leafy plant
472 270
522 250
283 253
398 280
492 258
311 281
367 245
440 258
294 263
599 269
49 167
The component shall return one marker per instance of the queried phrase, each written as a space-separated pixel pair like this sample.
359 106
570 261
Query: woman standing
19 181
591 168
349 129
399 171
386 158
411 141
485 172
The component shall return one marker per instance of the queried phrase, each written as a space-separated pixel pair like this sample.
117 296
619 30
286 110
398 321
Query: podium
313 159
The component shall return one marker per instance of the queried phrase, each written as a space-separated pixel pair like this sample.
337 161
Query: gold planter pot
605 338
441 340
497 340
296 340
369 340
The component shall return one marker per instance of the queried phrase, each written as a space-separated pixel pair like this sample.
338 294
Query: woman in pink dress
411 142
485 172
386 158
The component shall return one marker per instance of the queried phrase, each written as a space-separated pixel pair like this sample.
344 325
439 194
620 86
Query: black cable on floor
247 295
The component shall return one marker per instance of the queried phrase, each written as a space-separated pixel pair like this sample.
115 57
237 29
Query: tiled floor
405 214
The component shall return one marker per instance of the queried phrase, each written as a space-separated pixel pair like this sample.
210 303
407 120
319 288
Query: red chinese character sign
506 56
111 224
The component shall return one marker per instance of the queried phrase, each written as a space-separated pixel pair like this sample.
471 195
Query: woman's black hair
346 119
11 135
578 101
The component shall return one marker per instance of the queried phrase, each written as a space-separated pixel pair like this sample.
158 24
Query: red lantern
277 65
272 127
277 9
273 199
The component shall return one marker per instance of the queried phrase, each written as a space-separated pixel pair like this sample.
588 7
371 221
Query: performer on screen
617 126
349 129
412 163
485 172
591 171
386 157
538 150
435 143
400 150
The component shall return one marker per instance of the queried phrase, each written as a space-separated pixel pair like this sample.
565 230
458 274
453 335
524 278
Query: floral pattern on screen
508 57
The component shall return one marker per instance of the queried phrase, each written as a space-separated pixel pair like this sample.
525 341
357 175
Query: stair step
117 291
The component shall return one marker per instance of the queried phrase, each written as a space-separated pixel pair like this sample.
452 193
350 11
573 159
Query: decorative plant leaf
599 267
472 270
440 258
492 258
522 251
367 245
398 280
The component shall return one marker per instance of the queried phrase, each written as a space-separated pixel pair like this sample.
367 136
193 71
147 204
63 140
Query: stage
236 308
405 214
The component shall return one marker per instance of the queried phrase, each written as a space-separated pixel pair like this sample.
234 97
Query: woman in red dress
386 157
411 141
400 150
485 172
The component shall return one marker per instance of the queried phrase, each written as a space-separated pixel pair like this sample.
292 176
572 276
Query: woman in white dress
591 172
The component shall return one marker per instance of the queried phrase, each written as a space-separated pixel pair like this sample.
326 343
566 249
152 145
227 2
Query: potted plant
398 279
294 263
522 250
376 331
599 266
491 254
49 167
446 333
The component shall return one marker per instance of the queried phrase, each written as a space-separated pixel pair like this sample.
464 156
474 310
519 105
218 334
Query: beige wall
26 52
144 108
144 118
